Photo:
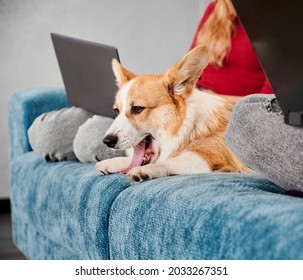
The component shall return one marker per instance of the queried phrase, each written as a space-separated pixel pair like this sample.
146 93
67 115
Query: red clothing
241 73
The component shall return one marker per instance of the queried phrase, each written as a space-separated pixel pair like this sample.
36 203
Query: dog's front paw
106 167
112 165
138 174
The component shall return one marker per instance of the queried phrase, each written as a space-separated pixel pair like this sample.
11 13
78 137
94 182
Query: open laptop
275 30
87 73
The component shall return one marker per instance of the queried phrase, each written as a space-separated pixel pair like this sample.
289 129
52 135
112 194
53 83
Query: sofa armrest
23 107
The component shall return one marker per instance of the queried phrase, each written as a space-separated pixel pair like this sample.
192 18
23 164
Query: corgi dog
170 126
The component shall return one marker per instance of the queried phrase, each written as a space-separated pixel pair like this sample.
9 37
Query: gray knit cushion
259 137
70 134
52 134
88 143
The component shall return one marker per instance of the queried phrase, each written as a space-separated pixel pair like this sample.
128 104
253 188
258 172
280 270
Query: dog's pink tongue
138 155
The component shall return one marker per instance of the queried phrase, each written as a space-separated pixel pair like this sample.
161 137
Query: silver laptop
87 73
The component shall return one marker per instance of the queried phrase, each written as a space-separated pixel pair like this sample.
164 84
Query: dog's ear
122 75
183 76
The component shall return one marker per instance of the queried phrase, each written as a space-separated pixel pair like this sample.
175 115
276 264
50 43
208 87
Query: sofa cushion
36 246
207 216
67 202
26 105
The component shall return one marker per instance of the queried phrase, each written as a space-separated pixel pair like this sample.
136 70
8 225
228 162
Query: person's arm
231 98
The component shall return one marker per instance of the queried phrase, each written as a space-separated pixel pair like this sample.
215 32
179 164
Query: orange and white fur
172 127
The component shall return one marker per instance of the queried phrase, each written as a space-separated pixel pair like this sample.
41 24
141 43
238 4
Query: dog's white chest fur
199 108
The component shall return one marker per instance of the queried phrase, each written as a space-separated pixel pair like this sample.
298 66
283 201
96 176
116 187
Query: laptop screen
275 30
87 73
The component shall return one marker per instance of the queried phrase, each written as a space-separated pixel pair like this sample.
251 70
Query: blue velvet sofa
64 210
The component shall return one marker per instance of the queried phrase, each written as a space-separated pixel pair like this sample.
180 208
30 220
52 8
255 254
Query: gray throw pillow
88 143
52 134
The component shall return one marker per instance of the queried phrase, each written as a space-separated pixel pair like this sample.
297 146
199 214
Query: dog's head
150 105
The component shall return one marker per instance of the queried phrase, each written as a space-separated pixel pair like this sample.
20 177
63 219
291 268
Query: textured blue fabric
62 205
36 246
67 202
23 107
64 210
208 216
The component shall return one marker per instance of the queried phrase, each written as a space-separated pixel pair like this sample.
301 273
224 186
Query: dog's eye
137 109
116 110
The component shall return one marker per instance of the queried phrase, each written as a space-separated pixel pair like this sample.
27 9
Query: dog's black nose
110 140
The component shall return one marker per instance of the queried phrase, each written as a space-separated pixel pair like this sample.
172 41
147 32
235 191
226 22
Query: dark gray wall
150 35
